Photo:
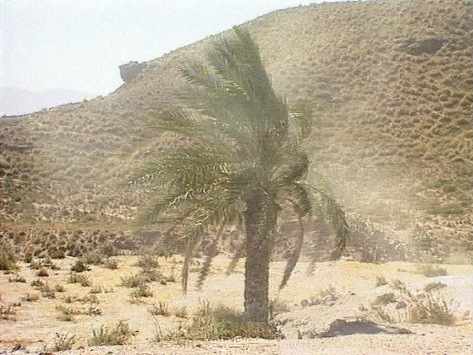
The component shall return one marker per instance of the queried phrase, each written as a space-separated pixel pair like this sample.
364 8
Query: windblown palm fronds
243 144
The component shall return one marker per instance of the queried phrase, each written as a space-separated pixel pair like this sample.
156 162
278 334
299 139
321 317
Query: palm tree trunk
260 220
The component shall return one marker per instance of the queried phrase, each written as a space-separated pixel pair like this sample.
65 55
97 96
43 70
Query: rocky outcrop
428 46
131 70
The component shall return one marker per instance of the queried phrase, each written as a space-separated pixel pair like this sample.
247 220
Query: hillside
391 84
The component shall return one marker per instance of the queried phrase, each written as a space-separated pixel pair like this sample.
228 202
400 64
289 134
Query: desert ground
331 311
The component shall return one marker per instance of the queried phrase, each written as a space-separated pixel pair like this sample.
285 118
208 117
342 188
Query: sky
79 44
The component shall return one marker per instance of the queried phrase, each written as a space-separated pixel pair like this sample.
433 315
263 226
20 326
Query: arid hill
391 85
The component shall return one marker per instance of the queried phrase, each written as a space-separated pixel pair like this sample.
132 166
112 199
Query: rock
426 46
3 163
344 327
131 70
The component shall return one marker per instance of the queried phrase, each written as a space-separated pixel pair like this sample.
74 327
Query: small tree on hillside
244 160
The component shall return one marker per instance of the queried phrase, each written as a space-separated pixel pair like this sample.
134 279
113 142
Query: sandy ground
353 283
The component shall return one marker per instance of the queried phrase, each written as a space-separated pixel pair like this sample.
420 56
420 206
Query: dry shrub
132 281
181 312
326 296
434 286
7 312
79 266
7 256
381 281
83 280
142 291
217 323
31 297
414 307
111 264
431 270
17 278
89 310
160 309
120 334
384 299
147 261
63 342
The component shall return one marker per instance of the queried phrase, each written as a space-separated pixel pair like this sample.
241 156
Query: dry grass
120 334
63 342
423 307
216 323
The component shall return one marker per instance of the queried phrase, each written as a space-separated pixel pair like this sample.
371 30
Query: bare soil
353 287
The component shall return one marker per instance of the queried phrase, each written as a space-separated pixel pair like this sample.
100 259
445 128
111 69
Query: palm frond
190 247
294 257
333 214
212 252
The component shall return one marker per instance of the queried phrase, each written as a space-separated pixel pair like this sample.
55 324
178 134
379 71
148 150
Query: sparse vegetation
31 297
434 286
162 309
7 312
83 280
384 299
381 281
326 296
7 256
431 270
111 264
132 281
180 312
142 291
63 342
79 266
148 261
220 323
17 278
42 272
89 310
120 334
414 307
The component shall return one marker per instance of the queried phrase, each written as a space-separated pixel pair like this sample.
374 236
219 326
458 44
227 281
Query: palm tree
244 160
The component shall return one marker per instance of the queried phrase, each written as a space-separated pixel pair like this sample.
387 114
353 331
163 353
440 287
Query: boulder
131 70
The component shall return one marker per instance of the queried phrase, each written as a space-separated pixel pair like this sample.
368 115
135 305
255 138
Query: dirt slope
391 83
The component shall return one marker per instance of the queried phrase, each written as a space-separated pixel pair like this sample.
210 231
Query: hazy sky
79 44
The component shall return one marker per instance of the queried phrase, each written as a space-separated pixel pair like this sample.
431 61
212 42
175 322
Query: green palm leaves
241 138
